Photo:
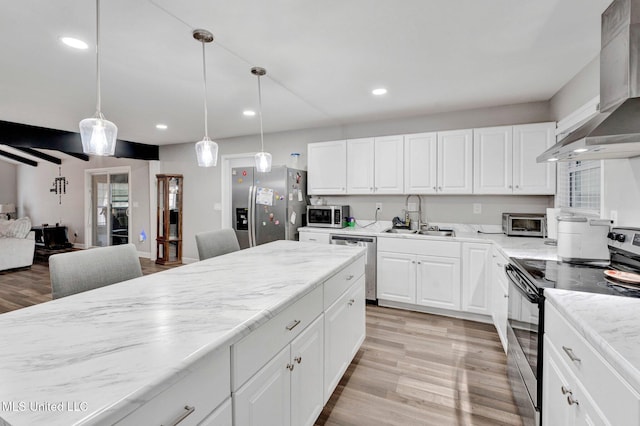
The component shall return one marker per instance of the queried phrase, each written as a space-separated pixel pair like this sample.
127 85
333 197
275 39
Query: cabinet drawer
619 402
314 237
256 349
420 247
342 280
205 387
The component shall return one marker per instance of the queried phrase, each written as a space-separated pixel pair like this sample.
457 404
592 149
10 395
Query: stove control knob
611 236
621 238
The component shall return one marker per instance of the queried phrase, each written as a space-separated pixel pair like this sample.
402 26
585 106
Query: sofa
17 243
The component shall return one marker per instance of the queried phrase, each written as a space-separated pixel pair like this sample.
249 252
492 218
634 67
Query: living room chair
79 271
216 243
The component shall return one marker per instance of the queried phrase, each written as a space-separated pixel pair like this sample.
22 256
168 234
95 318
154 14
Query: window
579 186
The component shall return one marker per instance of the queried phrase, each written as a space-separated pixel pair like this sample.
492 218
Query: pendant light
98 135
206 149
263 159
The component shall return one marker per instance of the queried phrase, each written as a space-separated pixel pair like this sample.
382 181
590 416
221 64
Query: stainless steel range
527 280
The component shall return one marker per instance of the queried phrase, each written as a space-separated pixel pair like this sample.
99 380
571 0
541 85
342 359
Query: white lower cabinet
500 296
344 331
288 390
396 277
314 237
438 282
476 278
222 416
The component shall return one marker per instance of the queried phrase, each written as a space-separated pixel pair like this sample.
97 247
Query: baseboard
79 246
437 311
145 254
187 260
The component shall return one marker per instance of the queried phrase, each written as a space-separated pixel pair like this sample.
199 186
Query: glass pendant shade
207 152
98 136
263 162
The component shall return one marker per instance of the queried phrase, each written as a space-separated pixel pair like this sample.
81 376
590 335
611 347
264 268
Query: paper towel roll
552 223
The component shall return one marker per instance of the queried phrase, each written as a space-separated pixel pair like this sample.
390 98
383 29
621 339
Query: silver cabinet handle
510 187
506 296
292 324
298 359
419 263
435 189
413 261
571 400
439 188
517 186
351 302
188 411
290 367
570 354
349 277
565 390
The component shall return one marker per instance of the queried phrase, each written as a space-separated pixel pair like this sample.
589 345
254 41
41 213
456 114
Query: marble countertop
608 323
116 347
529 247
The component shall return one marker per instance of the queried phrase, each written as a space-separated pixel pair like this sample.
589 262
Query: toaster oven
327 216
524 224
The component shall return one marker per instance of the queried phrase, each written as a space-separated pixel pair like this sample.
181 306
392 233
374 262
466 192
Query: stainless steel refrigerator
267 206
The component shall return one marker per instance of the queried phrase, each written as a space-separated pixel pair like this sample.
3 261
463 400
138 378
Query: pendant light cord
98 100
260 112
204 75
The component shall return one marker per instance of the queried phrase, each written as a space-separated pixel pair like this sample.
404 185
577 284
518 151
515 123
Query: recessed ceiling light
161 126
74 42
248 113
380 91
580 150
552 159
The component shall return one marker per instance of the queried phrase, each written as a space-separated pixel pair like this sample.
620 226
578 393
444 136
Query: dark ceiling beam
26 136
40 155
18 158
83 157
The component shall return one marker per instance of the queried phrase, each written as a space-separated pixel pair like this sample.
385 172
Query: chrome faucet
413 211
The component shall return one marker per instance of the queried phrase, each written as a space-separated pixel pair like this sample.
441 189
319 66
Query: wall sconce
59 185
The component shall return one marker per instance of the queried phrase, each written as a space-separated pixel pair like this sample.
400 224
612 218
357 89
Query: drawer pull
188 411
565 390
349 278
293 324
570 354
290 367
572 401
298 359
506 296
351 302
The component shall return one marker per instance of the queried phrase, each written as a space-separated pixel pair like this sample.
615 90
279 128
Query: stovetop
624 247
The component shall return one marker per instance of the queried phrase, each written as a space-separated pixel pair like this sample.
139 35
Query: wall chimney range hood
615 131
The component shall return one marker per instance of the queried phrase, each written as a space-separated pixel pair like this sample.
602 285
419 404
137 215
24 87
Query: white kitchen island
127 352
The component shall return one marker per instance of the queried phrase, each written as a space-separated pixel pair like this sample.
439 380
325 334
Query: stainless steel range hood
615 131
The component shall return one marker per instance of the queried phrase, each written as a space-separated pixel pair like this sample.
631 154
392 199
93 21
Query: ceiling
323 58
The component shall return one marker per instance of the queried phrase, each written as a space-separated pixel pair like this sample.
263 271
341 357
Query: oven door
524 345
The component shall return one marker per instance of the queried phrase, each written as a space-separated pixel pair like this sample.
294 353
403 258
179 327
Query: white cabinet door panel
420 163
529 141
455 166
327 168
492 160
360 166
307 357
438 282
222 416
476 276
389 165
396 277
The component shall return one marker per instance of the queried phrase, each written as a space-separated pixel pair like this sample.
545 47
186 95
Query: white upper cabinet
492 160
327 168
375 165
529 141
420 163
455 166
360 166
505 160
389 165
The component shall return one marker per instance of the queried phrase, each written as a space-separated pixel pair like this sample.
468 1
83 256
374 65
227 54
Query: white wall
202 187
42 206
583 87
8 183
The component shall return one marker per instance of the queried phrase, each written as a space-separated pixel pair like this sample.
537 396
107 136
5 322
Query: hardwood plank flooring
422 369
413 368
29 286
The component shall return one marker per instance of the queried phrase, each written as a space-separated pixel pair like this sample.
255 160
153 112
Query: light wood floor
413 368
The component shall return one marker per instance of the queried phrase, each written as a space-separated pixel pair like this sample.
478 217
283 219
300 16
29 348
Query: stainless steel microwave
524 224
327 216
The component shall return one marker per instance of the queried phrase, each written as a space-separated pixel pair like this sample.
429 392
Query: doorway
108 215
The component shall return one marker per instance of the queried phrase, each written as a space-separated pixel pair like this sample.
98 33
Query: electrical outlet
614 217
477 208
378 206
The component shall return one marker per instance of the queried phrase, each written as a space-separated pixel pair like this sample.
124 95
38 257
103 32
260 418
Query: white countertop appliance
582 240
524 224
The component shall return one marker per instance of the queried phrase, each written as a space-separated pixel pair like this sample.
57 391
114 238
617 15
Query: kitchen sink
401 231
438 233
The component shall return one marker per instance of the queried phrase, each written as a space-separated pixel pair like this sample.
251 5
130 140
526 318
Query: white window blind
579 186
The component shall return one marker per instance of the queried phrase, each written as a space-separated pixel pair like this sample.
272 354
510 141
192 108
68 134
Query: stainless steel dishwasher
370 259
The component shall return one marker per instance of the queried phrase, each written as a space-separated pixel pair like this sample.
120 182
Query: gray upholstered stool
79 271
216 243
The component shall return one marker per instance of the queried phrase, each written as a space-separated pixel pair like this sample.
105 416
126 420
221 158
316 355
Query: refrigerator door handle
251 217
